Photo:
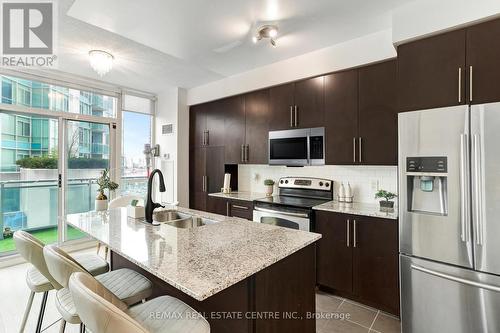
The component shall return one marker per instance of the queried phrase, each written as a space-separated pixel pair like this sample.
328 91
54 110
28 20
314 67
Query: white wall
425 17
367 49
174 147
364 180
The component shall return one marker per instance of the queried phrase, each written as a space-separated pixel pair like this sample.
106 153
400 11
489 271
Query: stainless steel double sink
179 220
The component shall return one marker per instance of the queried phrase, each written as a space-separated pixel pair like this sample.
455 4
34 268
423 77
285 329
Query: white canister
101 205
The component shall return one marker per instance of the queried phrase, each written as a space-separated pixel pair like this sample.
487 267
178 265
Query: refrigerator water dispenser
427 185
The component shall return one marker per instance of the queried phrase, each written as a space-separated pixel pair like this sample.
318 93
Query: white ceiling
192 42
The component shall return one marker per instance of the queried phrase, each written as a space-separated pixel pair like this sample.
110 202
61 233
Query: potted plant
387 203
104 183
269 184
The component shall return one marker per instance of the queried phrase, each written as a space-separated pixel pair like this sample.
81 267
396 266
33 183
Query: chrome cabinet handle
456 279
459 84
464 197
296 122
240 207
470 83
205 183
247 148
360 146
242 153
354 234
291 116
354 150
478 202
227 208
203 140
348 236
208 138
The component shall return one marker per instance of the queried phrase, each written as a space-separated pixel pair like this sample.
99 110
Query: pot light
266 31
101 61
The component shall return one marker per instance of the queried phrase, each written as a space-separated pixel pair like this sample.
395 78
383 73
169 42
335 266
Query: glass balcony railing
33 206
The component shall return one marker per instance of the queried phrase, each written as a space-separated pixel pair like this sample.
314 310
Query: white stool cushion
94 264
167 314
66 307
36 281
128 285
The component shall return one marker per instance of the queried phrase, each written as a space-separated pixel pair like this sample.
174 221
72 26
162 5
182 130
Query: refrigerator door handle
464 189
456 279
476 145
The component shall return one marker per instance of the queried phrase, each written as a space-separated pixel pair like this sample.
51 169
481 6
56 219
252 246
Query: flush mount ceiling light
101 61
268 31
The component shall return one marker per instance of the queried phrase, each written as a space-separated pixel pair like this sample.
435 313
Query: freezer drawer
438 298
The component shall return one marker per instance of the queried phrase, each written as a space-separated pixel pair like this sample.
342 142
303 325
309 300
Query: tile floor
348 316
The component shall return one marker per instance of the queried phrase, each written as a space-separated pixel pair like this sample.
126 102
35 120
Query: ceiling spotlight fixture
266 31
101 61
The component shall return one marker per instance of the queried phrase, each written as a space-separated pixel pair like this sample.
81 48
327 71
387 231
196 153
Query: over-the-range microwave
297 147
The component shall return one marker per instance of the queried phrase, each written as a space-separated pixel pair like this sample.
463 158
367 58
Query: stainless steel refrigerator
449 181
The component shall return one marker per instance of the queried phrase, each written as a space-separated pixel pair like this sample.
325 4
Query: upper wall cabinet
297 105
341 117
256 127
234 128
483 62
197 125
431 72
378 114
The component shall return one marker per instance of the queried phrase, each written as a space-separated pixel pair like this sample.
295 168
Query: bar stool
128 286
101 311
38 277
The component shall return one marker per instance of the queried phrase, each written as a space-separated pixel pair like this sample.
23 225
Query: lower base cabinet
357 258
230 207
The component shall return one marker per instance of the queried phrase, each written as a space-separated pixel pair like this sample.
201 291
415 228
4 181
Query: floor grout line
374 319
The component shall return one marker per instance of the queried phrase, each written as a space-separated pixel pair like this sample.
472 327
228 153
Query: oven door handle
280 212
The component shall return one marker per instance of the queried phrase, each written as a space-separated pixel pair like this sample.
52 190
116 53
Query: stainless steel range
293 206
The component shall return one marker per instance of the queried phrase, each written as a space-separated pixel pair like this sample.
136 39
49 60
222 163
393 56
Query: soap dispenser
342 193
348 193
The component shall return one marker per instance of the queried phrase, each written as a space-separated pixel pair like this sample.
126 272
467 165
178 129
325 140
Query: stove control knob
286 181
327 184
281 181
320 183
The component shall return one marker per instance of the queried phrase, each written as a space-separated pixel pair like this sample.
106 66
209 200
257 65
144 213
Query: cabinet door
309 100
281 107
376 262
378 115
234 129
215 123
341 117
428 72
197 125
215 169
217 205
243 209
257 126
483 54
197 172
334 254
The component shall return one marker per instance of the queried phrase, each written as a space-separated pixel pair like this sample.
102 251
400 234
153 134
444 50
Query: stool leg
42 311
27 311
106 253
98 247
62 327
82 328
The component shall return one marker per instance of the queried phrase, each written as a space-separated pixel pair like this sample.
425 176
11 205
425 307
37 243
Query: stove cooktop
286 200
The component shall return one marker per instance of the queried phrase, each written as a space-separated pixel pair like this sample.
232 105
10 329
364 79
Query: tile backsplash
364 180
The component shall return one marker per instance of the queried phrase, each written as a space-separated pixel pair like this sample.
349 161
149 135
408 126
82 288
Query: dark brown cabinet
234 128
256 127
334 253
361 115
431 72
341 117
197 125
378 115
230 207
206 174
297 105
357 257
215 114
483 65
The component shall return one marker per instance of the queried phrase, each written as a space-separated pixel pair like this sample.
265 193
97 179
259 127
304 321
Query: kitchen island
241 275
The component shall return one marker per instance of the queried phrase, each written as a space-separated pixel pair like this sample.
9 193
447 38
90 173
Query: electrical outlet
374 184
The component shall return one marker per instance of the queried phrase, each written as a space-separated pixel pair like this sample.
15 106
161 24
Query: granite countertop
357 208
200 261
244 196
